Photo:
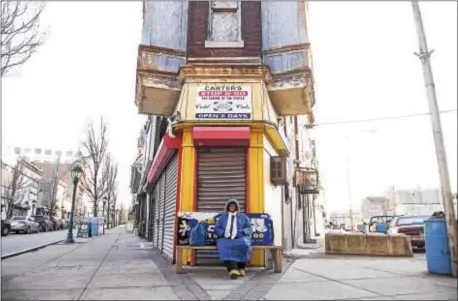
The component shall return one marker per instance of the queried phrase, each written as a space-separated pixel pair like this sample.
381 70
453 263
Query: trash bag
438 214
198 235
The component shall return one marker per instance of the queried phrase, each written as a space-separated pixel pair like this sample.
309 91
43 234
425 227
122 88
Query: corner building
230 86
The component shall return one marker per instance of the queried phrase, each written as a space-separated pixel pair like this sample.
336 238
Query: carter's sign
223 102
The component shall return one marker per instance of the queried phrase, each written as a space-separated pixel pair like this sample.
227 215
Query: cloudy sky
364 69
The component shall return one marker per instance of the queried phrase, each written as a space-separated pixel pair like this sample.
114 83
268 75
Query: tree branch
20 33
94 160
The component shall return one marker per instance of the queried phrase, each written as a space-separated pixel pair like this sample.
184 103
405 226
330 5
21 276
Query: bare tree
94 152
20 32
114 201
54 186
111 174
121 214
15 188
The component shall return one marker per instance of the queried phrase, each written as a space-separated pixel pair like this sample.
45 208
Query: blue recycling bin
94 226
437 249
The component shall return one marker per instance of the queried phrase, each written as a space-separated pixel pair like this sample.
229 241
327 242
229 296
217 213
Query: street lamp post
103 213
113 216
116 217
76 173
33 207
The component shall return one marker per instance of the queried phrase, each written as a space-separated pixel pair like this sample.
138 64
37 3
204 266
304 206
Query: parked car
6 227
24 224
44 223
67 223
380 223
413 226
58 223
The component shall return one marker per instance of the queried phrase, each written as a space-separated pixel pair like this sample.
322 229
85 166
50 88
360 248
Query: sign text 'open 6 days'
223 102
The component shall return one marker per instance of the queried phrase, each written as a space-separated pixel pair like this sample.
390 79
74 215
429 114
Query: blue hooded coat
239 248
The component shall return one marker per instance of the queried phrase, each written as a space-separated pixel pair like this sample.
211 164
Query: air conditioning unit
278 170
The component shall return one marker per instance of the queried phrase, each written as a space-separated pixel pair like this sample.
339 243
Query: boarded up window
225 22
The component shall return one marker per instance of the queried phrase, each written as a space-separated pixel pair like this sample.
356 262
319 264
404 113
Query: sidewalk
120 266
311 250
363 278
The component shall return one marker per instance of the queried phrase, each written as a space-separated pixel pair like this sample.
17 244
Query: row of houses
227 88
37 187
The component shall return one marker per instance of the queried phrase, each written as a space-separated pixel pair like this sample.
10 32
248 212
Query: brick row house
228 90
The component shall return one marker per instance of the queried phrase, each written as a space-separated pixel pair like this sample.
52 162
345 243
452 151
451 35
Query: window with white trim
224 25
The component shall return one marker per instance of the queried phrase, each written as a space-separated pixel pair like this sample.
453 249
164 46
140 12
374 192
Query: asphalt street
18 242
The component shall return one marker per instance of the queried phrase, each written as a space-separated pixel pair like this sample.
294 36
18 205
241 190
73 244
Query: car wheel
28 231
5 231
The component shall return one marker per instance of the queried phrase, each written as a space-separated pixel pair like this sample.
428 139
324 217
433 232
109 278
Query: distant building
416 201
20 183
46 155
372 206
64 190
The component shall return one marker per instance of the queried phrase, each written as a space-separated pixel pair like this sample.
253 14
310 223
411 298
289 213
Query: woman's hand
227 235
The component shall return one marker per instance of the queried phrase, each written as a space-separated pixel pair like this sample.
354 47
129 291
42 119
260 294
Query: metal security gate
221 174
159 211
171 174
151 217
143 217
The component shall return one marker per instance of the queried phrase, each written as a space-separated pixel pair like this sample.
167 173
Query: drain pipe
170 129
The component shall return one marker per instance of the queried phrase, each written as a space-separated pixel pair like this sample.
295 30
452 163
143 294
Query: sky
364 68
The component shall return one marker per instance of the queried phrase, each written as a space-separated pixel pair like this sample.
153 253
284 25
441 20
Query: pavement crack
96 270
256 287
340 282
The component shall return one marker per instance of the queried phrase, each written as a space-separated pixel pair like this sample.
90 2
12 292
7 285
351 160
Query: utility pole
447 200
347 166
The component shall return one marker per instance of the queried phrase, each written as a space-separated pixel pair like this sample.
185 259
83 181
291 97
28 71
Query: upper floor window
68 153
38 151
48 152
224 25
17 150
58 153
27 150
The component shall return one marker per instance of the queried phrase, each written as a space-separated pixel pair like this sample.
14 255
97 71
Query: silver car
24 224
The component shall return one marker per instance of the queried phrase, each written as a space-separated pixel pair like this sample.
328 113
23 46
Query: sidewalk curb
29 250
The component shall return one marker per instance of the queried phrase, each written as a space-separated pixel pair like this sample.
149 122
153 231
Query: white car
24 224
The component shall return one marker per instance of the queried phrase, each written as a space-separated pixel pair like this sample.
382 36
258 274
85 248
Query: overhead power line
382 118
